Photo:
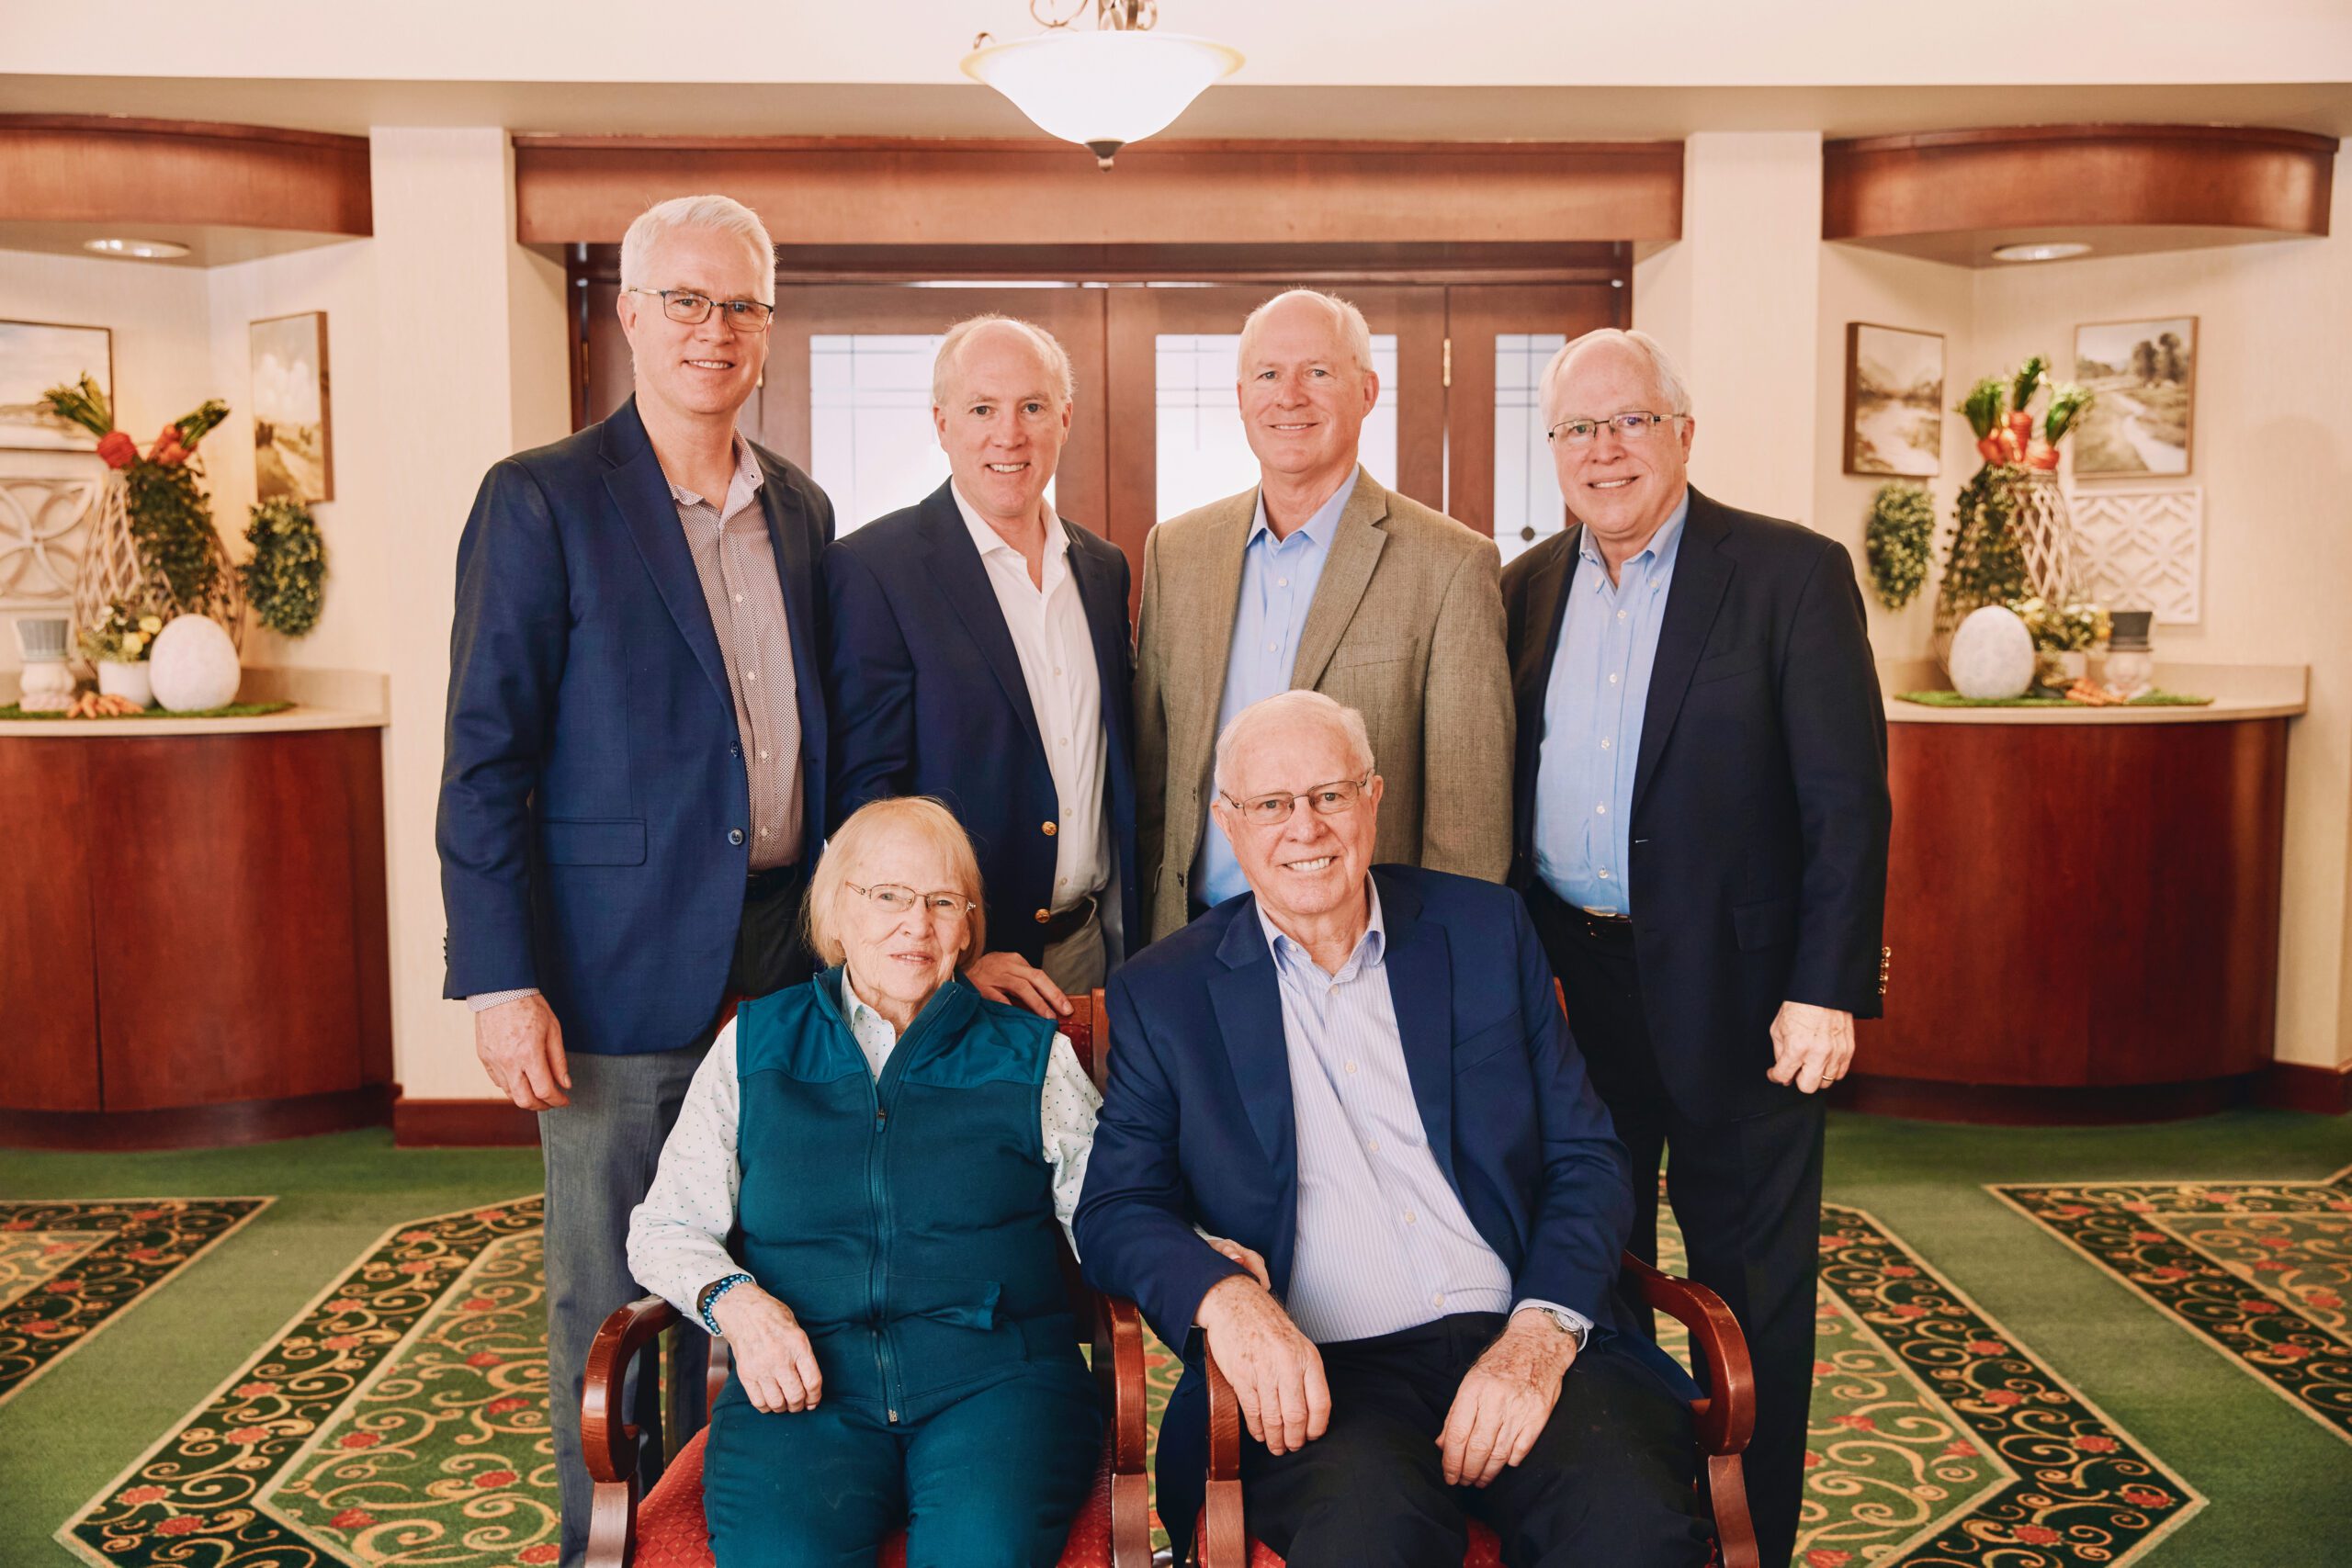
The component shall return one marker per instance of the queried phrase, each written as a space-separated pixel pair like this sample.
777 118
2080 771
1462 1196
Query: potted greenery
118 644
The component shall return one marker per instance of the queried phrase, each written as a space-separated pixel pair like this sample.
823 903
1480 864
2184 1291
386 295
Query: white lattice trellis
2142 549
44 528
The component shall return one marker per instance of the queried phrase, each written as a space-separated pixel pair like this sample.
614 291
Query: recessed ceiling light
139 250
2053 250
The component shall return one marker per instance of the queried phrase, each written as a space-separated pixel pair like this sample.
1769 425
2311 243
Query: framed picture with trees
2146 374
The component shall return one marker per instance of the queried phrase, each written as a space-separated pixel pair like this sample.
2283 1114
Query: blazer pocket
612 841
1727 666
1356 657
1476 1047
1771 923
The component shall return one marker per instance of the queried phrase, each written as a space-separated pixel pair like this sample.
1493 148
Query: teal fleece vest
906 1221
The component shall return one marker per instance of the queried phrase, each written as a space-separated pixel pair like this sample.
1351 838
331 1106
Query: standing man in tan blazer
1320 579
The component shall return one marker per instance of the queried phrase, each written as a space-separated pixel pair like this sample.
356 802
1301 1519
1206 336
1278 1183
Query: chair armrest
1223 1540
1727 1417
607 1442
1118 1367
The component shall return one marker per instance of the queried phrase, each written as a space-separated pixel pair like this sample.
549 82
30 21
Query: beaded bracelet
710 1299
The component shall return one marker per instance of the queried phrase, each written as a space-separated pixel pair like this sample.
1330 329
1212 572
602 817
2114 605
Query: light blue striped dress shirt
1593 720
1278 579
1383 1242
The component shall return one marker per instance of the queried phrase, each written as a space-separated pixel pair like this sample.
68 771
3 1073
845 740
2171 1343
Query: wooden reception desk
192 922
2082 903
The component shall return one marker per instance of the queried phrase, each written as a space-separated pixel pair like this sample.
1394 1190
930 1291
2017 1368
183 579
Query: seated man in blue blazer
980 655
1360 1083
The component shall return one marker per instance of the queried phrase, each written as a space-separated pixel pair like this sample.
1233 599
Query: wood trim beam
822 191
96 169
2273 183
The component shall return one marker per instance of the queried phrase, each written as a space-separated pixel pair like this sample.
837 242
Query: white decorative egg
1992 655
192 665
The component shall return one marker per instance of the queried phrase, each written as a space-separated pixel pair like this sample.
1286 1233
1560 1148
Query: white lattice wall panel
2142 549
44 528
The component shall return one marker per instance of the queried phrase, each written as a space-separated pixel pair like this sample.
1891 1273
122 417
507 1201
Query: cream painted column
474 360
1736 301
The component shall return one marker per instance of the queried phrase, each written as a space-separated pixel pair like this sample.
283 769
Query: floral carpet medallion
67 1269
2261 1271
400 1419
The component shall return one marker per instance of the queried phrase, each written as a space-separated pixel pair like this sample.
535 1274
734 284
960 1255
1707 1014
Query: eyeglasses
689 308
894 900
1629 427
1327 799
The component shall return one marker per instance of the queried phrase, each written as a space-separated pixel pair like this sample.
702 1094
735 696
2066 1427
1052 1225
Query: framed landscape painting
293 446
2145 376
1895 400
37 356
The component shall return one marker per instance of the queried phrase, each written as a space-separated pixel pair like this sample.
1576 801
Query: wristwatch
1579 1332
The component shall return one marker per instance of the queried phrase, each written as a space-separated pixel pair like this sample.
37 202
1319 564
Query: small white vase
127 681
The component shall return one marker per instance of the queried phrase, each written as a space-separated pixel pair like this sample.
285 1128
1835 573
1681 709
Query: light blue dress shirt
1384 1242
1278 579
1593 719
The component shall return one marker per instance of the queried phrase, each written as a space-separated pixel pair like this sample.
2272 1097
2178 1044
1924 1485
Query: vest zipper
878 1205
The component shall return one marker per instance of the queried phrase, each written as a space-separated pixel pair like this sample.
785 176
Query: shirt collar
987 541
742 485
1371 948
1318 528
860 1016
1660 550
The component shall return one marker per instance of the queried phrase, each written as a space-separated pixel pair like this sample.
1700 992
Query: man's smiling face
1621 489
1309 864
1304 396
710 369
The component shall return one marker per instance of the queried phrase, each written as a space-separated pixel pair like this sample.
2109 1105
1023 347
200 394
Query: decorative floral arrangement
1901 528
171 518
288 567
122 636
1998 412
2063 628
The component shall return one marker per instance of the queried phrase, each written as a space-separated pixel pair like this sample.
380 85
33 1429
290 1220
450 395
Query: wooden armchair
664 1528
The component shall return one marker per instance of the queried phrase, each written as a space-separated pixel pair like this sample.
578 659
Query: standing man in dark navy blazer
1701 832
634 775
980 654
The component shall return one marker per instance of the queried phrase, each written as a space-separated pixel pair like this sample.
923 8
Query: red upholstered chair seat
671 1532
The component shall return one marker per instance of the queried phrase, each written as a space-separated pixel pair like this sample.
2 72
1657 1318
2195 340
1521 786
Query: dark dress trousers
928 698
1758 843
593 827
1197 1127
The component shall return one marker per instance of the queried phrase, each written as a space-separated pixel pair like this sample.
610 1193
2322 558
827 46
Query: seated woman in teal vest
862 1194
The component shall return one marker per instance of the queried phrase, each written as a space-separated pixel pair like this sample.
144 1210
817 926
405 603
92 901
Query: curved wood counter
2082 908
192 925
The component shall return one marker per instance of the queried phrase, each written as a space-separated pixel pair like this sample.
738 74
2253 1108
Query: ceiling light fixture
1104 88
138 250
2048 250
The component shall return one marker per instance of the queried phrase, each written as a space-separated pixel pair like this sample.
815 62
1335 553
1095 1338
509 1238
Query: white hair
720 214
1352 326
1669 380
1288 710
951 347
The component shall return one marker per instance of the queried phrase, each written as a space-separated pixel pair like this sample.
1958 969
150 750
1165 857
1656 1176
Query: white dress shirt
677 1238
1056 651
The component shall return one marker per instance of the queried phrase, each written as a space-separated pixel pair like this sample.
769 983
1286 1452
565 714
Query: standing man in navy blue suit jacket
634 775
1703 818
1358 1081
980 655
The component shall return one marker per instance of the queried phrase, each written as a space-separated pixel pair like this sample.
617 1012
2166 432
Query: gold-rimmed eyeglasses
689 308
894 900
1327 799
1633 426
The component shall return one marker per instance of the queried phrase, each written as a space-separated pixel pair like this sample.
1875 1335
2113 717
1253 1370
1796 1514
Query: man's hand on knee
520 1047
1275 1370
1505 1402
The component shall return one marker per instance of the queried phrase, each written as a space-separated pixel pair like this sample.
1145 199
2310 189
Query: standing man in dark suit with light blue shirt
980 655
634 774
1358 1080
1702 833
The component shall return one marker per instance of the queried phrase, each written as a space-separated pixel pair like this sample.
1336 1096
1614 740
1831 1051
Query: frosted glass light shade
1103 88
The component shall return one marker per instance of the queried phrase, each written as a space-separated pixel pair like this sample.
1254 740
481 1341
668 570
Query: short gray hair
952 347
1288 710
722 214
1669 379
1352 325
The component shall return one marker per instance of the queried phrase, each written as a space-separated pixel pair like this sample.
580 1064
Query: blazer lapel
1247 998
1356 545
1531 677
1701 573
641 494
796 574
963 583
1203 619
1421 987
1106 619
